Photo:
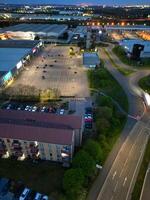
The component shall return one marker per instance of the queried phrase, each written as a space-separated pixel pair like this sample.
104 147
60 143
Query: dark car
88 110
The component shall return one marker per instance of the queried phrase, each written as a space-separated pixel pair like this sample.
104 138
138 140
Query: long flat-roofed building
39 135
13 55
30 31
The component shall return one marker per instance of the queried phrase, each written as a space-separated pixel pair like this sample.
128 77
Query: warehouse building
30 31
91 60
80 32
39 135
13 56
129 44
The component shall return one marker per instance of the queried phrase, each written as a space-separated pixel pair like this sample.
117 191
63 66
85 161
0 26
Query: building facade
39 135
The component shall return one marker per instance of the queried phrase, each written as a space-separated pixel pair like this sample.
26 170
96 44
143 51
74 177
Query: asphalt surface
63 72
145 194
120 180
117 178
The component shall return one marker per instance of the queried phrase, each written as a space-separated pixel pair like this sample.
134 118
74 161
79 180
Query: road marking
132 147
135 171
114 175
124 181
136 126
116 187
112 198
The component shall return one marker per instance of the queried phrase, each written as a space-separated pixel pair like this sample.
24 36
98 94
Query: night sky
100 2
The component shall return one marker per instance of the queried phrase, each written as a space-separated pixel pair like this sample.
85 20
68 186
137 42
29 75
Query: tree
105 112
102 125
85 162
104 101
93 149
73 181
36 37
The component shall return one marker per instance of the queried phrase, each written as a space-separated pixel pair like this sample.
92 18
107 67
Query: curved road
118 176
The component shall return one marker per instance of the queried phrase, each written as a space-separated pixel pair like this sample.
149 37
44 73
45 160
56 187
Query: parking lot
117 36
56 69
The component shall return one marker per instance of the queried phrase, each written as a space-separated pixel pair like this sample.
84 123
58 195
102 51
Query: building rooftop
91 59
9 57
43 127
39 29
18 43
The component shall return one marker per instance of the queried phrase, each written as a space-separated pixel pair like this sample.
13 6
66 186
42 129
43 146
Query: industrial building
60 17
91 60
13 56
39 135
80 32
128 47
30 31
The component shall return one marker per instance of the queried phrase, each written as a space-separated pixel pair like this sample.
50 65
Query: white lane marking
132 147
135 171
124 182
112 198
114 175
116 187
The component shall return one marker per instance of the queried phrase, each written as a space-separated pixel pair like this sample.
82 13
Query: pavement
66 73
79 105
145 194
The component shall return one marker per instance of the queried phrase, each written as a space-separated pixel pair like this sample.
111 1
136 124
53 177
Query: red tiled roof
75 122
43 127
29 133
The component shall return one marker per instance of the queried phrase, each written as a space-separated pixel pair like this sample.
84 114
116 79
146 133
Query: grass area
102 80
44 177
100 44
125 72
119 51
144 83
140 179
107 114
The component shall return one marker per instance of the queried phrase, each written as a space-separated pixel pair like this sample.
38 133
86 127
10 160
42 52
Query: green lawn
144 83
119 51
140 179
44 177
125 72
102 80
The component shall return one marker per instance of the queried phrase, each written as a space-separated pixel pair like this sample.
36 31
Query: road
146 186
118 176
120 180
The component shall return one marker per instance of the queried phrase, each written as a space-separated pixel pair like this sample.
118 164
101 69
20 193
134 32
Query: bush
85 162
104 111
93 149
72 182
103 125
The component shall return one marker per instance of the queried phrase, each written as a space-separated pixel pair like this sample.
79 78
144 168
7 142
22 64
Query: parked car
38 196
88 110
62 111
43 109
9 107
44 197
25 194
34 109
27 108
88 125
